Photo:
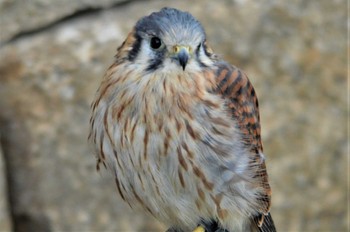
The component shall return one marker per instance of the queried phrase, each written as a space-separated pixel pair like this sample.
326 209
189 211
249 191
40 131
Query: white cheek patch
145 53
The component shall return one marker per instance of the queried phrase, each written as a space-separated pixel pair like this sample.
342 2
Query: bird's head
169 40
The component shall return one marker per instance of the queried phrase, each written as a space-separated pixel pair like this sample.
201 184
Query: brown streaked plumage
180 130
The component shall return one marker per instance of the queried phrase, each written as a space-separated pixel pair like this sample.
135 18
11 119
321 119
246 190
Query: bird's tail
267 225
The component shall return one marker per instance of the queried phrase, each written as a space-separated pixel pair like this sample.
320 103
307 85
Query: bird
179 128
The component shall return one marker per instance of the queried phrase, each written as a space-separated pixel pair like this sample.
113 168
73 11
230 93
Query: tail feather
267 225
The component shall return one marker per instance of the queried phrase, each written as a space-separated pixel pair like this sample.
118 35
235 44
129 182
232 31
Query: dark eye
155 43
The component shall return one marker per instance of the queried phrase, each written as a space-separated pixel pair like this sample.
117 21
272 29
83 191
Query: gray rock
19 17
294 53
5 223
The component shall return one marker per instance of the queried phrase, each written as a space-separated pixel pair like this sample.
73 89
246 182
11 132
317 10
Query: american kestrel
179 128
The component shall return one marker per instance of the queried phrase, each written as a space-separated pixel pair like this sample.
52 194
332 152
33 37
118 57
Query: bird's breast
173 146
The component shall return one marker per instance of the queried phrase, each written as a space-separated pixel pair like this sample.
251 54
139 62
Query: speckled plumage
183 142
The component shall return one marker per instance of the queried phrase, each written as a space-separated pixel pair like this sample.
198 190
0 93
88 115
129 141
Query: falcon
179 129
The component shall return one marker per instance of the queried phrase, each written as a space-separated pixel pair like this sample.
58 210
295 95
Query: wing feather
234 86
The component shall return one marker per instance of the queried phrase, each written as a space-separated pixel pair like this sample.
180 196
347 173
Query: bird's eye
155 43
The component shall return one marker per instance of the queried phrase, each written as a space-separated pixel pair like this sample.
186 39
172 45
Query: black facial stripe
156 62
198 50
197 57
135 48
206 50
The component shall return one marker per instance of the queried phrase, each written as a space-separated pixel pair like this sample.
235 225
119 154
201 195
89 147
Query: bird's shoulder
234 86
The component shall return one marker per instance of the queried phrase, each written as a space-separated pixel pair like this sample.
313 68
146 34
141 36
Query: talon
199 229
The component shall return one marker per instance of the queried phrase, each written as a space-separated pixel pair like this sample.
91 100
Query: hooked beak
182 54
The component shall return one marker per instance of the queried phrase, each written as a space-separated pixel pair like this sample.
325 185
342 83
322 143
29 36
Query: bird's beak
182 53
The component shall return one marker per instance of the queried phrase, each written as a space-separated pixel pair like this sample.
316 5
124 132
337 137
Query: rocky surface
22 17
294 53
5 222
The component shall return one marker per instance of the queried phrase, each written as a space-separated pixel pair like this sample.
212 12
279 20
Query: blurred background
54 53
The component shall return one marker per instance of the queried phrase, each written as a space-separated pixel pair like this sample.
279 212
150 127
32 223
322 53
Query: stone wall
54 55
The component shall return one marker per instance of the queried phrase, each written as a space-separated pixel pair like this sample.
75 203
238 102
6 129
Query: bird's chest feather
156 131
174 148
164 123
167 129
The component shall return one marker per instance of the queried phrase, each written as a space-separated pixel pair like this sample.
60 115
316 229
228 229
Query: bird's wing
234 86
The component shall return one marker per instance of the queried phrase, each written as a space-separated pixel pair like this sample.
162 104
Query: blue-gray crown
171 22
